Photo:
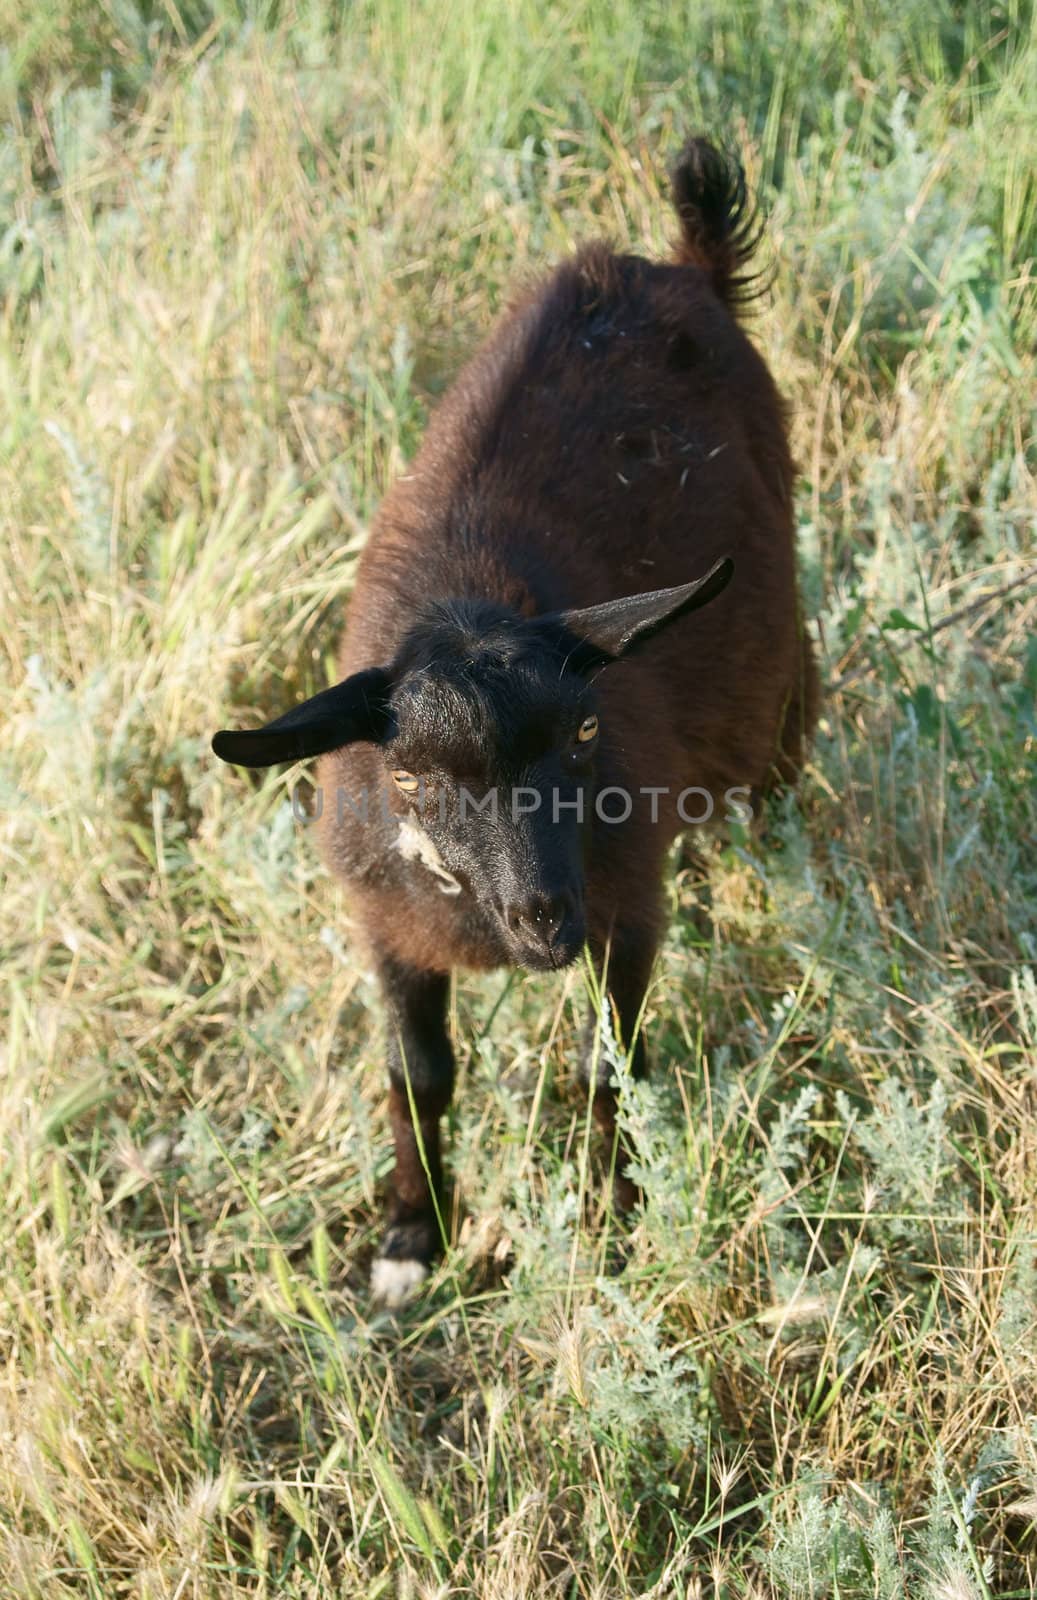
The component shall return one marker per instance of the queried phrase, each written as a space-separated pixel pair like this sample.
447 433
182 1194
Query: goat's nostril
554 915
539 917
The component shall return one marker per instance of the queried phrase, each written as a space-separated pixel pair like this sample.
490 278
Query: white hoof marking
393 1282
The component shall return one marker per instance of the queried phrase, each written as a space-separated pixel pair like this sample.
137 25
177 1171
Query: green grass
243 248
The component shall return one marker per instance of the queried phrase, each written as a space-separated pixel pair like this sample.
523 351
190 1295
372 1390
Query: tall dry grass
242 250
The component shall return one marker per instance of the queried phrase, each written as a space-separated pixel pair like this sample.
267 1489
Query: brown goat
615 439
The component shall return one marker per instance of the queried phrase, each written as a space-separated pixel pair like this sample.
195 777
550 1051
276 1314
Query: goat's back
618 433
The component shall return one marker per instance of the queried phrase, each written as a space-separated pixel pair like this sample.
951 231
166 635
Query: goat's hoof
401 1266
394 1281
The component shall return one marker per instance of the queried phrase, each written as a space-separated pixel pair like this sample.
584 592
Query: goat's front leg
421 1080
626 966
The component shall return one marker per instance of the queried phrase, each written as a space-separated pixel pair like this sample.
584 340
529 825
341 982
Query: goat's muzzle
546 930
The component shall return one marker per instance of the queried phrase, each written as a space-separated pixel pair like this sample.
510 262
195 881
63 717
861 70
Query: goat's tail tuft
720 229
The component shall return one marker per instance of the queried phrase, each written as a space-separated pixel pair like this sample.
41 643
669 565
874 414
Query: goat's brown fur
617 435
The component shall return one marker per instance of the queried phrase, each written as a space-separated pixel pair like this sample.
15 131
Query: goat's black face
489 731
491 753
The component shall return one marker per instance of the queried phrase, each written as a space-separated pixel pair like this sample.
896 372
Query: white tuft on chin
393 1282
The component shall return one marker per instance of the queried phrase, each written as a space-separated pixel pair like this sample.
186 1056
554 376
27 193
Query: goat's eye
406 781
587 730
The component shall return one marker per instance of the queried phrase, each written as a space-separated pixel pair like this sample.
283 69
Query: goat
521 645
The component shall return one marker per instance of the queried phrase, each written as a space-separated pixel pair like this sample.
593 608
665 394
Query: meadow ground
243 247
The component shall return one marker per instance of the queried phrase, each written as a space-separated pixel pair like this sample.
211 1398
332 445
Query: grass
243 247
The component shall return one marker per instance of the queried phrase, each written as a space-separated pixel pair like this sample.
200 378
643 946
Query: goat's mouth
552 950
544 929
550 958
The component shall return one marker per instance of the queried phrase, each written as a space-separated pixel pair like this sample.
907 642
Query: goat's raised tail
719 225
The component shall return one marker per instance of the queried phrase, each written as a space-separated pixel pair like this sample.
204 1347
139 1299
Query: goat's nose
539 917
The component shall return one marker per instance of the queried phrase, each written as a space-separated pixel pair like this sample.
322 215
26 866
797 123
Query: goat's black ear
605 633
351 711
